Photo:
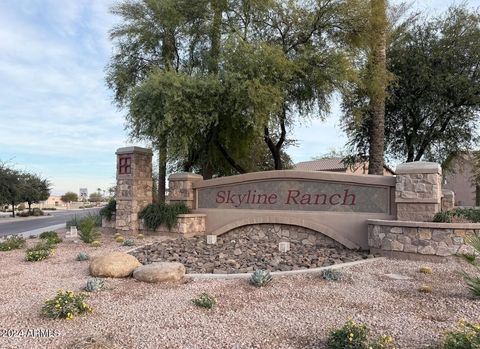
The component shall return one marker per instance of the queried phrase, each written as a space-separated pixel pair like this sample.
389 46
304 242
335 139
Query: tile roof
330 164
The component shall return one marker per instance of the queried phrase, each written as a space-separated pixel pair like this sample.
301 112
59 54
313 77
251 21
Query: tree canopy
433 103
213 80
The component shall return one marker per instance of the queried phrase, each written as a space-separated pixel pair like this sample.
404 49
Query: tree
9 186
243 71
33 189
433 104
95 197
69 197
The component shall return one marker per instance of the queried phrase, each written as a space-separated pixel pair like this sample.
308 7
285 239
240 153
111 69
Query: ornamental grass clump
88 229
466 336
356 336
39 252
13 242
157 214
51 237
425 270
205 301
473 281
65 305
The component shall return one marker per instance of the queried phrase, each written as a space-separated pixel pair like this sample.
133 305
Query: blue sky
56 115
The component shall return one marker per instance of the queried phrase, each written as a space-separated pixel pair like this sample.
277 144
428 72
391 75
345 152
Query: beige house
336 165
458 178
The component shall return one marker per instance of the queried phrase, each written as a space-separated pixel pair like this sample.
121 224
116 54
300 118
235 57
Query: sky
56 113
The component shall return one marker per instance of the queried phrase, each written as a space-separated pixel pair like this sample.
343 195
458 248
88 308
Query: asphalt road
57 218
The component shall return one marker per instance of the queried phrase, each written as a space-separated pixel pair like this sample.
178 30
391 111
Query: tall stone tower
134 186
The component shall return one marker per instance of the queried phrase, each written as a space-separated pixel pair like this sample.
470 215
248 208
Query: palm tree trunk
378 78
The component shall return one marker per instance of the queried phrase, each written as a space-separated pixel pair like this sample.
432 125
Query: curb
281 273
36 231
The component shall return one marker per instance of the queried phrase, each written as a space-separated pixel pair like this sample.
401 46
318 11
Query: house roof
330 164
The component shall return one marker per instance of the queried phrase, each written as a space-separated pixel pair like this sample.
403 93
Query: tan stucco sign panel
297 194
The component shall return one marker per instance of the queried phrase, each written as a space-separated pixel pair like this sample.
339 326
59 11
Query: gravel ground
294 312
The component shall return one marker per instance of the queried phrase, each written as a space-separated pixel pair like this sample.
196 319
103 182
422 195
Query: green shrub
51 237
109 210
65 305
467 336
87 227
37 212
157 214
355 336
205 301
13 242
75 221
21 207
261 278
49 209
82 256
330 274
473 281
39 252
471 215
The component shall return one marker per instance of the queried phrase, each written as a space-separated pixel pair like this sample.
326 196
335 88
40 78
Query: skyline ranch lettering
292 197
291 194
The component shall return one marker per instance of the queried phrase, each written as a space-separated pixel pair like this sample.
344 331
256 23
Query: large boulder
115 265
160 272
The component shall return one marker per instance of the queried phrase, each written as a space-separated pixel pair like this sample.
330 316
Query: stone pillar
418 191
180 188
448 200
134 187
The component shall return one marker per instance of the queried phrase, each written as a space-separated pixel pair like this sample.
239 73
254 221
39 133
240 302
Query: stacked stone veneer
418 191
180 187
434 239
134 187
187 225
283 232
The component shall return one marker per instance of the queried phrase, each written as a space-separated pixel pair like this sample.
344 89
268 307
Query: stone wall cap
418 167
183 176
432 225
192 215
133 149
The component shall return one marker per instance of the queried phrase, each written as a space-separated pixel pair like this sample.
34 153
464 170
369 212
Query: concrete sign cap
131 150
418 167
184 176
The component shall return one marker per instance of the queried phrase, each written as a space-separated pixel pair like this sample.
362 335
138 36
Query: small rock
160 272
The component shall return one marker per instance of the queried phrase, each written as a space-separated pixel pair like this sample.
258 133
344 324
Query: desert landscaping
292 312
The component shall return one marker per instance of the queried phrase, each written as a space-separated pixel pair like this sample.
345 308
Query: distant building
459 178
336 165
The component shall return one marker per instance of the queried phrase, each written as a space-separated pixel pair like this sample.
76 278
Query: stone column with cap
418 191
134 187
180 188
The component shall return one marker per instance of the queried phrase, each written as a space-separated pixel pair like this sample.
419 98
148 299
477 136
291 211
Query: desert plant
466 336
120 239
94 284
355 336
458 215
109 210
50 237
205 301
473 281
330 274
350 336
157 214
96 243
39 252
140 236
65 305
425 270
425 289
260 278
13 242
82 256
129 242
88 229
